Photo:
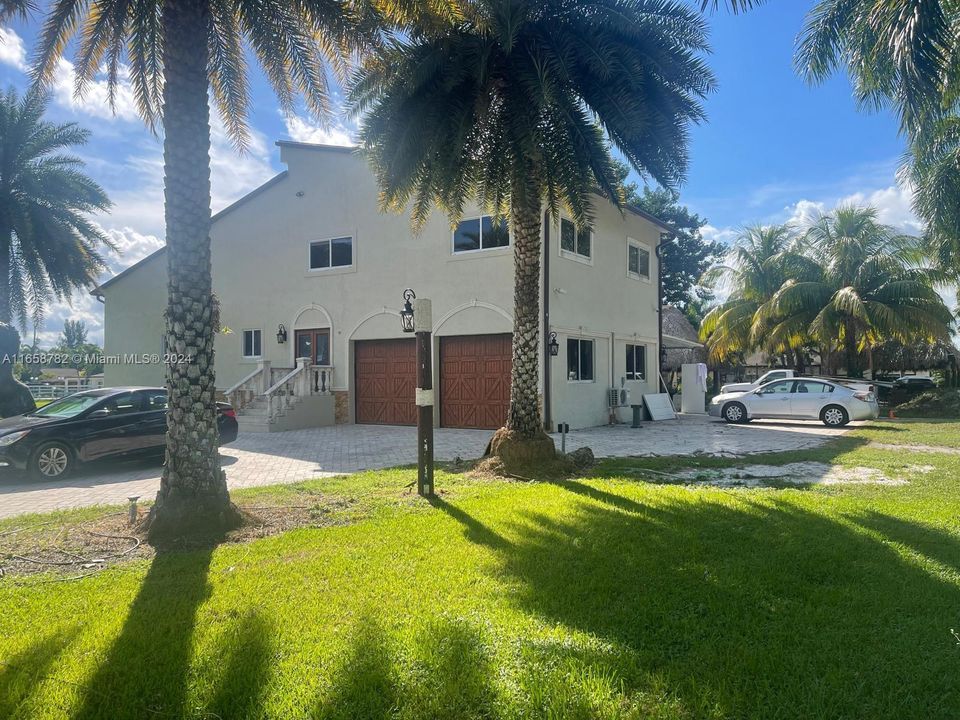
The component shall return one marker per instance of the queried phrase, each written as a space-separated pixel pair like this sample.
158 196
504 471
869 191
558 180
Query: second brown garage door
474 380
386 374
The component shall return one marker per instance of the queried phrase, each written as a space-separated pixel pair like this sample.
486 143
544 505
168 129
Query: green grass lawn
605 597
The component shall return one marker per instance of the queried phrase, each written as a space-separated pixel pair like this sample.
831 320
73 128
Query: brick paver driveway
272 458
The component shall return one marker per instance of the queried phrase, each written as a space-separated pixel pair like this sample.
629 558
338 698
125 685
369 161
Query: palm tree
15 8
516 107
753 273
48 245
178 50
859 285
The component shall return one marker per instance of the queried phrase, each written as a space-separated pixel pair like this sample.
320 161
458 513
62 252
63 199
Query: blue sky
773 148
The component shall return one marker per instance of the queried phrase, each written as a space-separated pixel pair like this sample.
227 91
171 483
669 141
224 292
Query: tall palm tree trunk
524 415
193 490
850 346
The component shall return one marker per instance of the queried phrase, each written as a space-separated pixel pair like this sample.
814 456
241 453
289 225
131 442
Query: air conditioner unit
618 397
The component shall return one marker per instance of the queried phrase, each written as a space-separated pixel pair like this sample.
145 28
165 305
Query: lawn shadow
247 648
447 673
23 674
474 530
145 672
932 542
737 609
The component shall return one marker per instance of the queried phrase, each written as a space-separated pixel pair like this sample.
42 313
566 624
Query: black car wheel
51 461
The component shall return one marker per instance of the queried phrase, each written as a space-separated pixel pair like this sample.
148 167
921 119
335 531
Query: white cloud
95 99
721 235
12 50
303 130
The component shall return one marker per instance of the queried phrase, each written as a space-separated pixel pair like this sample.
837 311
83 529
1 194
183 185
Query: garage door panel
385 380
475 380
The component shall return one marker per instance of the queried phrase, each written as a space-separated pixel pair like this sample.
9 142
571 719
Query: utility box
693 394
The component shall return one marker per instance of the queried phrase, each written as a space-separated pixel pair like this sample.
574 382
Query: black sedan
92 425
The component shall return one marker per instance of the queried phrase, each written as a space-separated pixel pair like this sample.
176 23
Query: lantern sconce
281 334
406 314
552 345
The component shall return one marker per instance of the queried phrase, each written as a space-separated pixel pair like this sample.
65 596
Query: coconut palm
15 8
753 272
905 54
48 245
859 285
177 51
516 107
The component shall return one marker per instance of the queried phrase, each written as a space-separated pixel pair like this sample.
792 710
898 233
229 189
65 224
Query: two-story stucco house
306 266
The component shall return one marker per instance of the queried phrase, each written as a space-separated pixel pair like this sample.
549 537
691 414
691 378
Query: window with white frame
579 360
575 241
638 260
251 344
636 362
480 233
332 253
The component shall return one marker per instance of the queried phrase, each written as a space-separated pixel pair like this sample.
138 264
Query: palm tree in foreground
48 246
178 50
861 286
514 107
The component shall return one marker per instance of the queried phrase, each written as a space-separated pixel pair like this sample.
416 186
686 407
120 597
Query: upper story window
333 253
638 260
575 242
251 346
579 360
636 362
480 234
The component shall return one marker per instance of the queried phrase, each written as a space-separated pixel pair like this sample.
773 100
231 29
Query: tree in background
74 334
686 256
751 275
182 54
48 245
853 284
514 107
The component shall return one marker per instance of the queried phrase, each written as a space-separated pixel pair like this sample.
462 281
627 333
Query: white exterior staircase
278 399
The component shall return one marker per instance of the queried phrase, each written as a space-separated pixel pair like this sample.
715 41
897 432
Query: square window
495 235
480 234
576 240
579 360
467 236
636 362
251 347
638 260
337 252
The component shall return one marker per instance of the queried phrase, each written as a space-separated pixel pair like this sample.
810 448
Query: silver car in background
798 399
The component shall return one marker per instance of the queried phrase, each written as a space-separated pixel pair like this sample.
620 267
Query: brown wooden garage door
474 380
386 373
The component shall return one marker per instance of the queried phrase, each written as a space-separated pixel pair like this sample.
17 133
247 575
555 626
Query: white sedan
798 399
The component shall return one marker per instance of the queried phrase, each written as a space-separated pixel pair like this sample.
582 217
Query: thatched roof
680 339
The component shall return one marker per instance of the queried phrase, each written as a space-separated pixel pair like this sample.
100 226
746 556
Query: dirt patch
801 473
916 448
76 550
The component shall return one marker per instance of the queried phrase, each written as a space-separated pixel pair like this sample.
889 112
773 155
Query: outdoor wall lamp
406 314
281 334
552 345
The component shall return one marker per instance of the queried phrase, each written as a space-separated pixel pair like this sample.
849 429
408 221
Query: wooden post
423 326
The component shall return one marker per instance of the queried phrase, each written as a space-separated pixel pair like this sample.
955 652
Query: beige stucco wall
261 276
599 301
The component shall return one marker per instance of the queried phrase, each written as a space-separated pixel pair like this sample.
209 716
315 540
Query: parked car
800 399
914 384
769 376
92 425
